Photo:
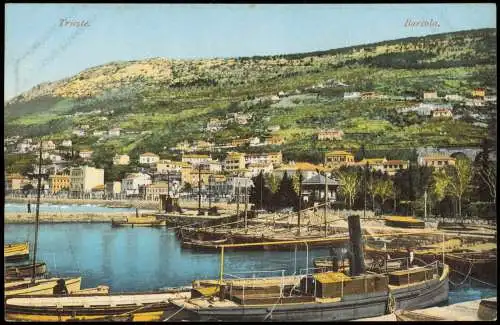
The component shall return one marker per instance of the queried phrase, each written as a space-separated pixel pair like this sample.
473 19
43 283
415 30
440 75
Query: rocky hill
176 98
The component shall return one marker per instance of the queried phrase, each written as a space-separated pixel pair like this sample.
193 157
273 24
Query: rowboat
25 271
16 251
40 287
150 221
152 306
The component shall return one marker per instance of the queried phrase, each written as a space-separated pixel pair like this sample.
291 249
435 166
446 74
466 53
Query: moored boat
40 287
327 296
16 251
150 221
113 307
210 245
25 271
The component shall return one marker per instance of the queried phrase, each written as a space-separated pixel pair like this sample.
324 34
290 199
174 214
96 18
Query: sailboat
34 285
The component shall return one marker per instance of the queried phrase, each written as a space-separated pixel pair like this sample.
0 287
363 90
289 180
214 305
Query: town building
148 158
121 159
338 158
24 147
48 145
307 169
238 142
204 145
391 167
255 141
313 189
442 113
15 182
79 132
183 146
479 92
115 132
214 125
153 191
113 189
273 128
67 143
234 161
255 169
330 135
86 154
99 133
437 161
132 182
238 189
430 95
352 95
84 178
58 183
453 98
275 158
195 159
274 140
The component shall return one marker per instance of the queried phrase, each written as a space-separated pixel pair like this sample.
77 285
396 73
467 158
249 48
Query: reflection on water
141 259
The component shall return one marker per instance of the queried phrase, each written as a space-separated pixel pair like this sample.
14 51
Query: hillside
174 99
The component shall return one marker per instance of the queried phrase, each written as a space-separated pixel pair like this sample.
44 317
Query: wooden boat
210 245
327 296
25 271
113 307
332 297
16 251
40 287
148 221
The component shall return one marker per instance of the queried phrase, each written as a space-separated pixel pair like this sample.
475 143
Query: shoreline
140 204
64 217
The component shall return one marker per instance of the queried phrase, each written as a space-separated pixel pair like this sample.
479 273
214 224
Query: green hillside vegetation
176 98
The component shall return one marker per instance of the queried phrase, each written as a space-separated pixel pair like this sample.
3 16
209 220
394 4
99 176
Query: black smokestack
357 265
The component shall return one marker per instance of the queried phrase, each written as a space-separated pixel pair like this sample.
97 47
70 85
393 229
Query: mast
199 189
246 203
39 187
326 194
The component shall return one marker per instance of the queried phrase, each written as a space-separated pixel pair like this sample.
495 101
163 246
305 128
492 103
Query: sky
40 47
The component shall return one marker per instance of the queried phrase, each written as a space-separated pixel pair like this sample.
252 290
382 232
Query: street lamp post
199 189
326 195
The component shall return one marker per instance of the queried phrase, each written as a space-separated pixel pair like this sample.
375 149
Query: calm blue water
141 259
47 207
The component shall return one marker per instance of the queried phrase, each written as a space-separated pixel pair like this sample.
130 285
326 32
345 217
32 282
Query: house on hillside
339 158
430 95
479 93
86 154
352 95
115 132
121 159
442 113
330 135
148 158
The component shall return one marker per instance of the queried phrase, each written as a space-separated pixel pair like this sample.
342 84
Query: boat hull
115 307
16 252
25 270
421 295
41 287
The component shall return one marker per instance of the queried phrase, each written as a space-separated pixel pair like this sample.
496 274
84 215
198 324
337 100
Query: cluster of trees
466 188
269 193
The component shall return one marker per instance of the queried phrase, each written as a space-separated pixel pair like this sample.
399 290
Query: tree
384 188
460 177
286 196
27 188
488 175
349 184
260 194
273 183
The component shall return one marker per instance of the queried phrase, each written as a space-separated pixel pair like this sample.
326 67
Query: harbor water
145 259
